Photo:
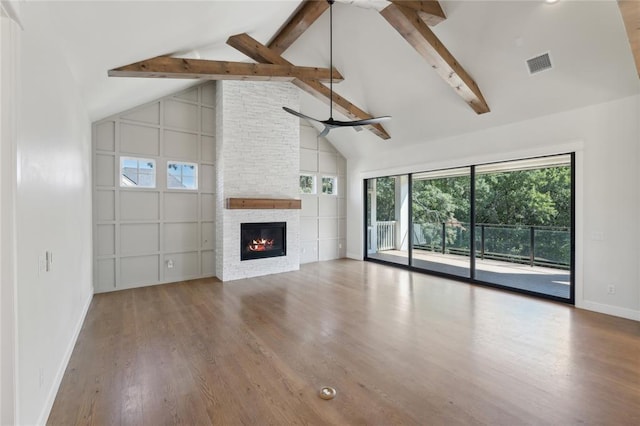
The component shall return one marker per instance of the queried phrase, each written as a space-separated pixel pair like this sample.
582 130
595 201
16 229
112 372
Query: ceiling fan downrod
330 123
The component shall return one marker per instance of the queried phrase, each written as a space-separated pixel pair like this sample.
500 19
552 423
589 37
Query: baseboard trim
355 256
609 310
57 381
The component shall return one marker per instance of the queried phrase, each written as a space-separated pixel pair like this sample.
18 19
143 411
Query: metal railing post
444 231
532 242
482 241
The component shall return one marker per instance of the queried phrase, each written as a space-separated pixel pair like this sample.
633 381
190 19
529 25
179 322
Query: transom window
182 175
307 184
137 172
330 185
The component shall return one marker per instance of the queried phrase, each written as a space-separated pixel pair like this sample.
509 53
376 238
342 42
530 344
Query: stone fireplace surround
257 156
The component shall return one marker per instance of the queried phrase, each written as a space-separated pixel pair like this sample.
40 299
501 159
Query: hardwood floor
399 347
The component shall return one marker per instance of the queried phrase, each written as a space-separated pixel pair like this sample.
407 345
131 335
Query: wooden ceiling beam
305 15
630 10
168 67
411 26
429 10
261 53
255 50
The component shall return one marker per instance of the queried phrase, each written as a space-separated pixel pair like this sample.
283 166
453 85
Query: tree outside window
307 184
329 185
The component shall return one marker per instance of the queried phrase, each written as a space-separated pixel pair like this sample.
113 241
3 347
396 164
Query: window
330 185
137 172
307 184
182 175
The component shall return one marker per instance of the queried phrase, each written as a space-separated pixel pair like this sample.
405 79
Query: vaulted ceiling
383 73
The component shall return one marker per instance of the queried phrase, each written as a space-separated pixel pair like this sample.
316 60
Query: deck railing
525 244
386 234
533 245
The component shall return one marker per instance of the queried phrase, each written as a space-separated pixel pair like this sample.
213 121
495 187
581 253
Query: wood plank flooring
399 347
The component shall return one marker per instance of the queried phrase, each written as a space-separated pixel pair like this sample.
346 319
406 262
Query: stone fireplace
254 134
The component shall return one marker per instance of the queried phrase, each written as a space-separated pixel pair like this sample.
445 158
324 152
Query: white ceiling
383 74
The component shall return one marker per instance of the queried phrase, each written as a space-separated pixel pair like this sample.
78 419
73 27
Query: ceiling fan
330 123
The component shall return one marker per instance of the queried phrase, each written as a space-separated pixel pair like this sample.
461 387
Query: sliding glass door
507 224
387 213
441 221
523 221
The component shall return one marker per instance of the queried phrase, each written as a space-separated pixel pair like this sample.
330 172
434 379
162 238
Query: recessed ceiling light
551 1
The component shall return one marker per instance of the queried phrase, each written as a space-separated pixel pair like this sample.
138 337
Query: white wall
9 39
138 231
53 213
323 224
606 138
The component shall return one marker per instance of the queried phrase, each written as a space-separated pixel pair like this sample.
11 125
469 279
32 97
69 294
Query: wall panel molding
323 217
147 236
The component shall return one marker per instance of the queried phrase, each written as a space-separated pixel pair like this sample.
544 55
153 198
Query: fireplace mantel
264 203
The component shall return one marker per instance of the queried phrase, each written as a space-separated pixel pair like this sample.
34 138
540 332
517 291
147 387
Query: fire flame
261 244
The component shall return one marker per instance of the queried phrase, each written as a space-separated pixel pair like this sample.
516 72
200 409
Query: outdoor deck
550 281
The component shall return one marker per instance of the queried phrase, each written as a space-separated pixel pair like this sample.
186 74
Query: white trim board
9 83
609 310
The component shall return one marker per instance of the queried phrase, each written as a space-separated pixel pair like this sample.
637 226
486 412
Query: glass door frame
472 252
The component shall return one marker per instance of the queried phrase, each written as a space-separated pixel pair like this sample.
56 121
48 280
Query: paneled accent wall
323 217
145 236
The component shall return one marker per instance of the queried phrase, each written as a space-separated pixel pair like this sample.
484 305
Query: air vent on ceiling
539 63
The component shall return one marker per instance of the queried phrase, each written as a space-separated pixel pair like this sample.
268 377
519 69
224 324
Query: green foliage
437 201
306 184
540 197
386 199
441 200
328 185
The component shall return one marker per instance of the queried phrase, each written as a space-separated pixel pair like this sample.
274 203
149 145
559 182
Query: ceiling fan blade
331 123
358 123
324 132
301 115
374 120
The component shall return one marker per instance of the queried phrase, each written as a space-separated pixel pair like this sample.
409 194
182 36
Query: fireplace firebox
260 240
